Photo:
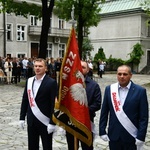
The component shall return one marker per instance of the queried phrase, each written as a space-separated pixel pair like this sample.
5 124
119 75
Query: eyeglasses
124 74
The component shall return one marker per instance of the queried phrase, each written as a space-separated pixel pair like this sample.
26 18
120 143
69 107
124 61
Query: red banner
71 109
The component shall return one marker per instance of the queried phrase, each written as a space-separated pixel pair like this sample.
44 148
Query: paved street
14 138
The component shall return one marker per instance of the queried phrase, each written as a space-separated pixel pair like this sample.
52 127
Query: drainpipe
4 26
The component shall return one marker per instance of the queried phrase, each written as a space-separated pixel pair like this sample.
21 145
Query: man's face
85 68
39 67
123 76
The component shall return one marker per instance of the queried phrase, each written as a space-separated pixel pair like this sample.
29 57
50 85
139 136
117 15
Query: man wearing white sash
38 104
125 108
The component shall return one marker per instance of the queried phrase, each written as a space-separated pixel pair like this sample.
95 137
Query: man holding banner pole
93 93
125 106
78 100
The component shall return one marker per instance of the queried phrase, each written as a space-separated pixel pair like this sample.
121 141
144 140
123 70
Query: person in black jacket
19 69
38 104
14 71
57 69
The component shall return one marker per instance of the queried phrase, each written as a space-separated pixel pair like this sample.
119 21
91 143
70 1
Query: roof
120 6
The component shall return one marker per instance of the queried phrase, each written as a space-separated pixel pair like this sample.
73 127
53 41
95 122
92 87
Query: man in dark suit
38 104
125 106
94 103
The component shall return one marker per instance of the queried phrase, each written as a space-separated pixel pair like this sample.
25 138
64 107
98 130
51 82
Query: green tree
20 8
87 47
136 54
86 14
25 9
100 55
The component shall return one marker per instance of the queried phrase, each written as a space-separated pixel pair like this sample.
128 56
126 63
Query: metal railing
36 30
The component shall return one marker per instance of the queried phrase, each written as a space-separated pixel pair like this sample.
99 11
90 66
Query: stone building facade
122 25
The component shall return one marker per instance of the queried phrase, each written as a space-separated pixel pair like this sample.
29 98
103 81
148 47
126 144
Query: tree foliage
136 54
20 8
113 63
88 9
86 13
100 55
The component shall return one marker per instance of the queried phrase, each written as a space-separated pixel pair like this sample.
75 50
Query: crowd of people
15 68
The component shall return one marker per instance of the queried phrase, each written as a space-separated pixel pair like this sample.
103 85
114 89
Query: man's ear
46 69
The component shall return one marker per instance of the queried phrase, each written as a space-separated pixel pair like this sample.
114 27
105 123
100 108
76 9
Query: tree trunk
80 30
80 38
46 14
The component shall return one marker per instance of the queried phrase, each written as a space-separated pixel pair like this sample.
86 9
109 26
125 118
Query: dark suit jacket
135 107
45 100
93 96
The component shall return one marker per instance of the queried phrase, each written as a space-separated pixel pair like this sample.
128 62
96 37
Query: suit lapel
130 94
41 86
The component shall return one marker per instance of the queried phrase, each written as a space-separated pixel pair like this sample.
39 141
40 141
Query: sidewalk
14 138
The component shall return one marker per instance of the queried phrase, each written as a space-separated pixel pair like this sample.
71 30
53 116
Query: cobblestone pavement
14 138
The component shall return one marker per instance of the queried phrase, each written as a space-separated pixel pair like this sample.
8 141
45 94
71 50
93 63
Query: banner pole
75 143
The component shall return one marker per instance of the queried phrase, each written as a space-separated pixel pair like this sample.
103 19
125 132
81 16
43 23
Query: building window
61 24
9 32
33 21
21 33
21 55
49 50
61 50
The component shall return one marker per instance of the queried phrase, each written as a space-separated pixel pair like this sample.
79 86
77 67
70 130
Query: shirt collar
41 78
128 86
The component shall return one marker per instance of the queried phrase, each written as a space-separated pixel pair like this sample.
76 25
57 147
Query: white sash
122 117
36 111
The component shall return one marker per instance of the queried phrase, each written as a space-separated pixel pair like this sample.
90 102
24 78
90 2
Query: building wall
118 34
15 47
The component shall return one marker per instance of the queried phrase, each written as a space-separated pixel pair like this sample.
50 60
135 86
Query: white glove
94 128
94 131
105 137
50 128
139 144
22 124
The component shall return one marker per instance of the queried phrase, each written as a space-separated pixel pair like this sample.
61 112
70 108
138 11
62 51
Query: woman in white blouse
8 69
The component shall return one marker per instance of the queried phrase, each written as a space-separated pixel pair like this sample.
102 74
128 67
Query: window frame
49 50
9 31
22 32
61 51
34 21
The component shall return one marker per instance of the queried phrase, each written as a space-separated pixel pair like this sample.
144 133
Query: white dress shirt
123 91
36 85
